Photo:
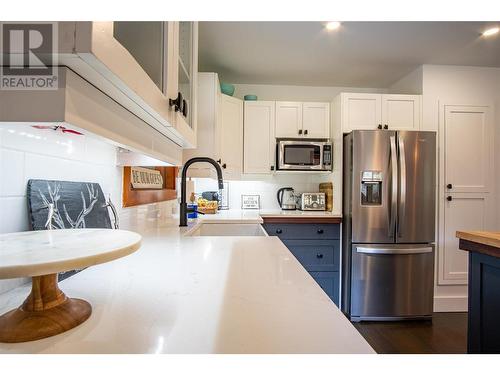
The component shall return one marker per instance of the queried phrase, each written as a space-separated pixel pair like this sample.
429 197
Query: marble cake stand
42 254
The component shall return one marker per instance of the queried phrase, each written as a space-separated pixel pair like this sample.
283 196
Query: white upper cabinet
259 141
364 111
298 120
401 112
288 119
141 65
219 130
230 136
361 111
316 120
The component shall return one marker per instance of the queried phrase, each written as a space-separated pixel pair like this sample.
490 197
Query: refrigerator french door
389 224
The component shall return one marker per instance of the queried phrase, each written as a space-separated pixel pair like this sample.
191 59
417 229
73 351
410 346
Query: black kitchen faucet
183 204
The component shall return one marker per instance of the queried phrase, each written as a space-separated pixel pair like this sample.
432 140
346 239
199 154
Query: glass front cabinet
148 67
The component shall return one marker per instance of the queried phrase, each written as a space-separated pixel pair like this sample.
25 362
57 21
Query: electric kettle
286 198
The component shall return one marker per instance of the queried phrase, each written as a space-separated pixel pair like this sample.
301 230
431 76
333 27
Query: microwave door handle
402 187
394 187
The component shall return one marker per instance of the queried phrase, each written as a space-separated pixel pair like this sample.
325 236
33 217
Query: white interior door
401 112
288 119
258 140
316 120
469 158
231 135
465 184
361 111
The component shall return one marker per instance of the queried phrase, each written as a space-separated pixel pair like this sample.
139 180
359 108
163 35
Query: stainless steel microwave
304 155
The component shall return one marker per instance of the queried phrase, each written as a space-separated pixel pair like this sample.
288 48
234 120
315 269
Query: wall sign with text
250 202
145 178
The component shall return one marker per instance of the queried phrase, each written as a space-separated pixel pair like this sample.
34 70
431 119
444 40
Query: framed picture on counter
250 202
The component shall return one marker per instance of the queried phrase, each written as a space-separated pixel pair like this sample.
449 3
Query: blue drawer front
316 255
303 231
329 282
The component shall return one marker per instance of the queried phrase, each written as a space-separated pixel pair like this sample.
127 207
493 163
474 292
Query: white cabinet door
288 119
361 111
316 120
230 134
464 211
259 142
468 132
401 112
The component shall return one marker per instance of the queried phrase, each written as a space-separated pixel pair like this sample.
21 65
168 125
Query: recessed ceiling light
491 31
332 25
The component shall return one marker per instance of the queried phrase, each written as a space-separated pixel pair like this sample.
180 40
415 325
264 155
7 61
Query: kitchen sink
229 229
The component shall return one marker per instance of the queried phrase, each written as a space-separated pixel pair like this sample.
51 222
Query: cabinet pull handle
300 131
224 165
279 231
219 161
176 103
184 108
305 132
386 126
379 126
319 256
320 231
272 167
449 186
449 198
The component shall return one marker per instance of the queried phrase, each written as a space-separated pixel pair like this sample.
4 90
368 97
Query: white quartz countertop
181 294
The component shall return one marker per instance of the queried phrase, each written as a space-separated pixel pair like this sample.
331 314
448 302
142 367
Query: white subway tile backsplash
12 173
14 214
24 137
28 153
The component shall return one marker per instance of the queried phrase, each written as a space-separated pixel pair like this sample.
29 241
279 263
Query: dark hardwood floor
446 334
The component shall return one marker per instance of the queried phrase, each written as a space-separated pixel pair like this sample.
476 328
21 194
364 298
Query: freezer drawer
392 281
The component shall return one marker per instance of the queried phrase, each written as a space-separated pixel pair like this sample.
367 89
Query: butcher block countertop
480 241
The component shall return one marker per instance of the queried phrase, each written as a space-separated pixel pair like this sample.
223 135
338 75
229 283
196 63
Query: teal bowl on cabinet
250 97
227 89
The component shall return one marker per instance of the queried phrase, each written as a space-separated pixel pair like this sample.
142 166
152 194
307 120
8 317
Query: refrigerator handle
376 250
394 187
402 187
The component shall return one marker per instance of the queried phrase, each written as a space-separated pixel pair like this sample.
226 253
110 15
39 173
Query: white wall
459 85
296 93
410 84
26 152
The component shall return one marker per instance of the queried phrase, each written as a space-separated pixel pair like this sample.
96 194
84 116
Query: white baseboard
450 304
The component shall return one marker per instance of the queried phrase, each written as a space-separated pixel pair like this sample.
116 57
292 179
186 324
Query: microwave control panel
327 156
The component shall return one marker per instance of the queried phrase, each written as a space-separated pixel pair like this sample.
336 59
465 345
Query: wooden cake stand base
46 312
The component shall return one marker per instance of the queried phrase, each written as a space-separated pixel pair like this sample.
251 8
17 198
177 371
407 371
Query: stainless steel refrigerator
389 224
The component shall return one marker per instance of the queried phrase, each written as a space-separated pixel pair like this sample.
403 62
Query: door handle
374 250
402 187
319 256
394 187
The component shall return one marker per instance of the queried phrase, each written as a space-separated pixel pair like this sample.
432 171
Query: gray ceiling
359 54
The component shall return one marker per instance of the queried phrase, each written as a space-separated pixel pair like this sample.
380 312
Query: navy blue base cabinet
483 334
317 248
